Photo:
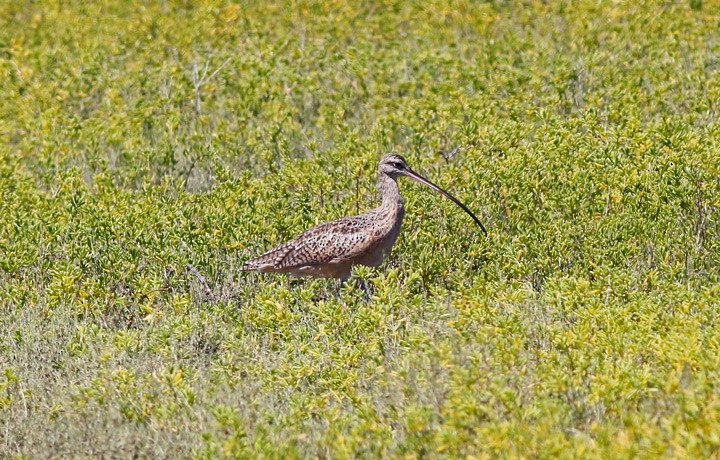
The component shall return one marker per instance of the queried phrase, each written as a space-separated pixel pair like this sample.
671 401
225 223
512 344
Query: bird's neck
390 193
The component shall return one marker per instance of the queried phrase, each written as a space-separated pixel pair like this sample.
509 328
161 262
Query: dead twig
199 82
203 282
454 152
187 175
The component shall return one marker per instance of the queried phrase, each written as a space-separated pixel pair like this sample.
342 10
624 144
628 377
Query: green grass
584 325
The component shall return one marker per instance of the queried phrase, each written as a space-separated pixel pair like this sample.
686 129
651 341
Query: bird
331 249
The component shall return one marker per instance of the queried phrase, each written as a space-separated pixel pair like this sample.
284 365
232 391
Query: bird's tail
268 261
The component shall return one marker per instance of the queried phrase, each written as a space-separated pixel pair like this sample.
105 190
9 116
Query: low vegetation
147 149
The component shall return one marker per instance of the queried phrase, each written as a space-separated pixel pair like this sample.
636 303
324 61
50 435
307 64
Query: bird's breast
384 233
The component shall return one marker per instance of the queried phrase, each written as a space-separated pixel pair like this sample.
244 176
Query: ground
148 147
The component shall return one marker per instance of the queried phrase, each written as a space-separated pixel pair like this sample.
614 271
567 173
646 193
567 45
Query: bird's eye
398 165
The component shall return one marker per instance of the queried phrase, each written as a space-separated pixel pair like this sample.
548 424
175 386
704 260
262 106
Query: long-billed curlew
331 249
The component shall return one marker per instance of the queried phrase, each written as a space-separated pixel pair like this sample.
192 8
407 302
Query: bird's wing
339 239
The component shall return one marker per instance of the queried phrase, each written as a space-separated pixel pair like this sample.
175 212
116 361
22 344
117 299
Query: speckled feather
345 238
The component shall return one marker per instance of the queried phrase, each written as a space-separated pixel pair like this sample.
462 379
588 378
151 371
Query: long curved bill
417 177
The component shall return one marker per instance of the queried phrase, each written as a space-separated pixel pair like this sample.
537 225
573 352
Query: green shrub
140 139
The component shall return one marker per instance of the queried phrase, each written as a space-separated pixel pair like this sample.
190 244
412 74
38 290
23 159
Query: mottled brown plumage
331 249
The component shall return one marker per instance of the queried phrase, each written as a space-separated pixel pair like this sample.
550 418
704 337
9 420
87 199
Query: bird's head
394 166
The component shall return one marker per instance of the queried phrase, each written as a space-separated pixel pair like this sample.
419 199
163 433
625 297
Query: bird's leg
364 285
340 286
359 283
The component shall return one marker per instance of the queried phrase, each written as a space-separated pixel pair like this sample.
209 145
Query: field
139 142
